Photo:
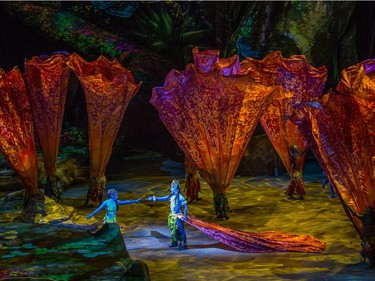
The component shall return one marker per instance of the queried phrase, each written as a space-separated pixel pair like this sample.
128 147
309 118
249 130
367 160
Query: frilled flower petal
359 80
208 60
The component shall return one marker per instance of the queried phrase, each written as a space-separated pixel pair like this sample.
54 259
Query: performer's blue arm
154 198
127 202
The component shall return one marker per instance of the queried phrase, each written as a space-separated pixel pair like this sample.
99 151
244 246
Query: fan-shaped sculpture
108 87
17 130
300 82
340 131
47 80
211 109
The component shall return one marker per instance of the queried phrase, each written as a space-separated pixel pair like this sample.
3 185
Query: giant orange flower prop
211 109
340 131
108 87
47 81
17 131
300 82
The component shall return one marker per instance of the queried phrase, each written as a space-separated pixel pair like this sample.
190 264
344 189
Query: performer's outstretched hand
151 198
182 217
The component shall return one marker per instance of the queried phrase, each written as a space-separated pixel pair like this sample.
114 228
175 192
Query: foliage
73 136
63 277
118 8
170 33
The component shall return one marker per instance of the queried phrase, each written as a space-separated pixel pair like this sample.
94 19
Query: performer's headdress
111 193
176 184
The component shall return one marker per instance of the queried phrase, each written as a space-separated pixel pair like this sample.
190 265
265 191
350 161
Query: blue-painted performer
110 233
111 206
175 222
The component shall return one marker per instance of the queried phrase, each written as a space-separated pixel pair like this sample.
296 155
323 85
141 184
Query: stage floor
258 204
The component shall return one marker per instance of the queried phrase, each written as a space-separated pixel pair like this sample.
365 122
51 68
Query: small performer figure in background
111 206
192 181
175 218
296 185
326 181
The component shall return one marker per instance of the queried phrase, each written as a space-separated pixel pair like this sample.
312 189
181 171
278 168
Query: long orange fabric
16 129
252 242
108 88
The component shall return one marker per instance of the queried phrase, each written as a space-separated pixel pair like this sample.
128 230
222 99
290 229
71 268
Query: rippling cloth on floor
252 242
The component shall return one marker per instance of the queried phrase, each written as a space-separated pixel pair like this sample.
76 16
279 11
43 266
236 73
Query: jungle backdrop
151 38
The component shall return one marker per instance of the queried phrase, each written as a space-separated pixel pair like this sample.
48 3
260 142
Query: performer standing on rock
111 206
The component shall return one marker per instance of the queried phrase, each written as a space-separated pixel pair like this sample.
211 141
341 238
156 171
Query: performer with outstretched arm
175 223
110 233
111 206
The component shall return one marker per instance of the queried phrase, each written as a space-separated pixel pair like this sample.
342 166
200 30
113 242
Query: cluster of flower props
108 88
211 109
300 83
339 129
